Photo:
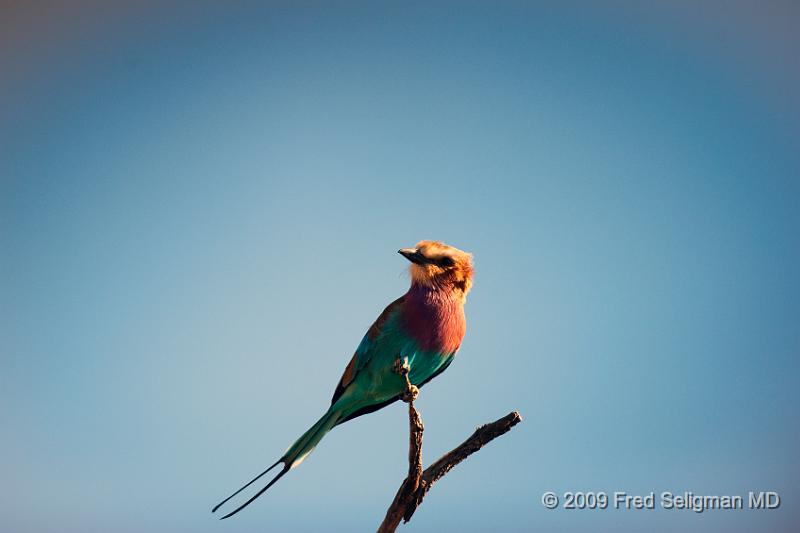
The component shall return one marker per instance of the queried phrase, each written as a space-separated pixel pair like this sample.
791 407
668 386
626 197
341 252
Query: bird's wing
366 348
445 362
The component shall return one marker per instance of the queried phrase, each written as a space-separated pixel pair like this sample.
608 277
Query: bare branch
482 436
414 488
406 494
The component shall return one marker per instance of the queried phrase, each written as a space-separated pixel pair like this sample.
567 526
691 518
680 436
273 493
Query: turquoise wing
367 347
370 376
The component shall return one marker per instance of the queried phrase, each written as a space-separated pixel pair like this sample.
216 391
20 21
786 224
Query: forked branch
414 488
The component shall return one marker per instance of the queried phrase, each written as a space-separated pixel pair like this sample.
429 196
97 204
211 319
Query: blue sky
199 213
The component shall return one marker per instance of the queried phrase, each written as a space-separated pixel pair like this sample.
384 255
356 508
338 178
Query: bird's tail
303 446
295 455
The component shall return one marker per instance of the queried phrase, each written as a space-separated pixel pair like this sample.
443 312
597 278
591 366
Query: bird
421 332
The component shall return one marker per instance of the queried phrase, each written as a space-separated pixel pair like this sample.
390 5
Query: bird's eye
446 261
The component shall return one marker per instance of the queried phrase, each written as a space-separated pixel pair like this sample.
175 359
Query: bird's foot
401 367
411 393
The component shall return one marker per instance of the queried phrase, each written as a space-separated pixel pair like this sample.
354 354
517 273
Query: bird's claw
411 393
402 367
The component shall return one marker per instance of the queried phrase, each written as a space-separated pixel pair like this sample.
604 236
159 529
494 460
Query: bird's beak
413 255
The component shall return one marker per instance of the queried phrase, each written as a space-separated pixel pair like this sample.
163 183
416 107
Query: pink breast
435 321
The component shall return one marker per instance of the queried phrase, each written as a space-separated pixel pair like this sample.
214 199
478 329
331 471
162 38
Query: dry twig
414 488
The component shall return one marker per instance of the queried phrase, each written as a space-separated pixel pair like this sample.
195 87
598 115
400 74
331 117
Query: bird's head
435 264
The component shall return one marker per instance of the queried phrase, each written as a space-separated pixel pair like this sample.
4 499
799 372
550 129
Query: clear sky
200 209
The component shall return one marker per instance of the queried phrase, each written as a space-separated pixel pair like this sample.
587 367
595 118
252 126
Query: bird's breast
436 322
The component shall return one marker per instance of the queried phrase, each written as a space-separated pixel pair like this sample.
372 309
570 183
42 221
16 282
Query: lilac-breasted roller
423 328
